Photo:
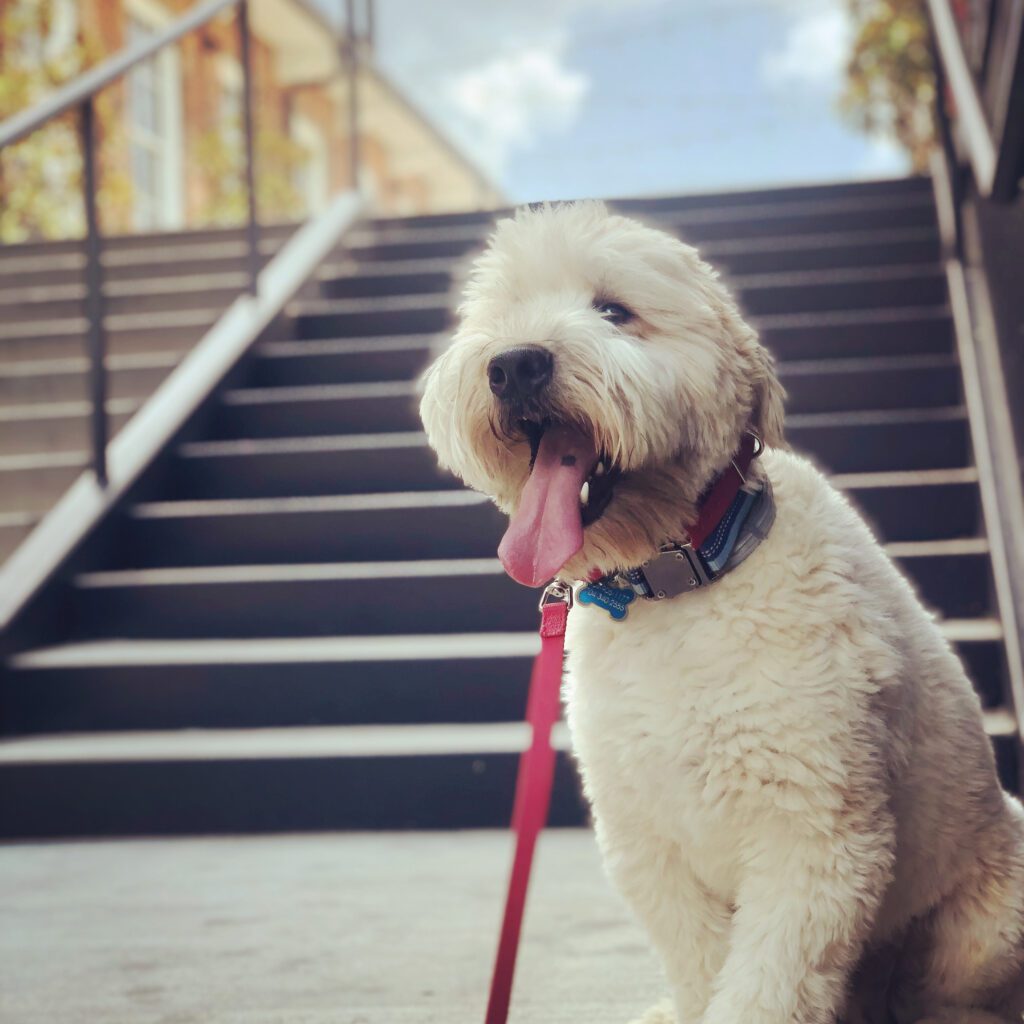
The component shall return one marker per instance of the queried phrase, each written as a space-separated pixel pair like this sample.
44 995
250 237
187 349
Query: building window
230 112
154 126
312 175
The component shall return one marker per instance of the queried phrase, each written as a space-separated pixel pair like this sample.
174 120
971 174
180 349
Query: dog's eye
614 311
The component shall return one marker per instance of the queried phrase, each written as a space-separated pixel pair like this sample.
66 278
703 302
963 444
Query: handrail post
352 56
96 334
952 242
252 223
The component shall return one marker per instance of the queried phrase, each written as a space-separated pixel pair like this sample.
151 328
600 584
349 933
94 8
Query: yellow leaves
890 85
219 159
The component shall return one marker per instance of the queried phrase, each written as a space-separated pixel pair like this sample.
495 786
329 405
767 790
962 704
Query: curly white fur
790 780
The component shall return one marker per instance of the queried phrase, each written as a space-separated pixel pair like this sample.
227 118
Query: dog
787 768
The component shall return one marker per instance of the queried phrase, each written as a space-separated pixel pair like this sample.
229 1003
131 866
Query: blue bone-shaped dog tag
614 600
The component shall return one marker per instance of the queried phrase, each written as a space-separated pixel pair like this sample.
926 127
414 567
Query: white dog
789 776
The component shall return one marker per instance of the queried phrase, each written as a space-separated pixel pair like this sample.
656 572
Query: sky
559 99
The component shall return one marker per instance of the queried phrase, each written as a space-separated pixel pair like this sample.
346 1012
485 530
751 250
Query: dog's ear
768 412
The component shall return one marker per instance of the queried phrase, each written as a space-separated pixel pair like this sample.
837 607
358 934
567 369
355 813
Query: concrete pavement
310 929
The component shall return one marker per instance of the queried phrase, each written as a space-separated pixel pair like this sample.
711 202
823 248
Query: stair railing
80 94
989 104
30 578
983 135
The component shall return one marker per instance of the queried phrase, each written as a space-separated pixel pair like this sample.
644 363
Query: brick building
172 140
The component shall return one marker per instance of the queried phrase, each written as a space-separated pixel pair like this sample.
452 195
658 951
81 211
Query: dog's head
600 377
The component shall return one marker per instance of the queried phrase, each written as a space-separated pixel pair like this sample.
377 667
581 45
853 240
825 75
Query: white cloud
815 50
450 54
510 101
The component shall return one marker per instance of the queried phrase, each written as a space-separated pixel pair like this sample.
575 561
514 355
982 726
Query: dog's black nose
520 372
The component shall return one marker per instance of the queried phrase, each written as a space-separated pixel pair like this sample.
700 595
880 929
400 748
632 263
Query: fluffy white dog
789 775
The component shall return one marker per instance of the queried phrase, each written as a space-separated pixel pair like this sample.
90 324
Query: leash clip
556 592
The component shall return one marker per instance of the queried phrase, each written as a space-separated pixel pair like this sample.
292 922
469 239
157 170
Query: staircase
300 624
162 292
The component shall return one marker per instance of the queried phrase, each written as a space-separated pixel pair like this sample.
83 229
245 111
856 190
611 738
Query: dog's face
600 377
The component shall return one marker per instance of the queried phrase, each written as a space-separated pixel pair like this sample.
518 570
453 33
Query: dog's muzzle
518 375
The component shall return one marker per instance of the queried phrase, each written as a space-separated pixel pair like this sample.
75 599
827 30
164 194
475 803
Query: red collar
719 496
717 499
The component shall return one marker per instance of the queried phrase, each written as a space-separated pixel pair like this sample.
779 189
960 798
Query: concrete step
231 684
882 440
158 783
843 333
138 247
172 331
818 251
874 382
185 290
952 572
427 277
398 525
369 597
848 249
340 360
844 288
44 427
916 505
131 376
220 683
929 439
290 779
886 383
454 523
466 595
309 410
812 251
340 318
819 214
31 483
68 268
857 333
286 467
910 345
914 190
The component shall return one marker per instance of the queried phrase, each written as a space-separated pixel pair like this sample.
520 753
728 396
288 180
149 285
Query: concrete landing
310 929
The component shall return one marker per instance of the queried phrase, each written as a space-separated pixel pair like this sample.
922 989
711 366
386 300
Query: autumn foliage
890 87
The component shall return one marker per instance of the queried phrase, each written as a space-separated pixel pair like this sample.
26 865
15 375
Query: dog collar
735 516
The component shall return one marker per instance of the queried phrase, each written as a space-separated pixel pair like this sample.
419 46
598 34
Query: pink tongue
546 529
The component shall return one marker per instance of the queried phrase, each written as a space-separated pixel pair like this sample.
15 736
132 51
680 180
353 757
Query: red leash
533 788
537 763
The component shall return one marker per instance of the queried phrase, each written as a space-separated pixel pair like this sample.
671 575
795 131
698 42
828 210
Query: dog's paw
660 1014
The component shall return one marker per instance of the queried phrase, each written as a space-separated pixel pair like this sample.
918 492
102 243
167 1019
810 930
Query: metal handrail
80 95
989 112
351 52
977 137
90 82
